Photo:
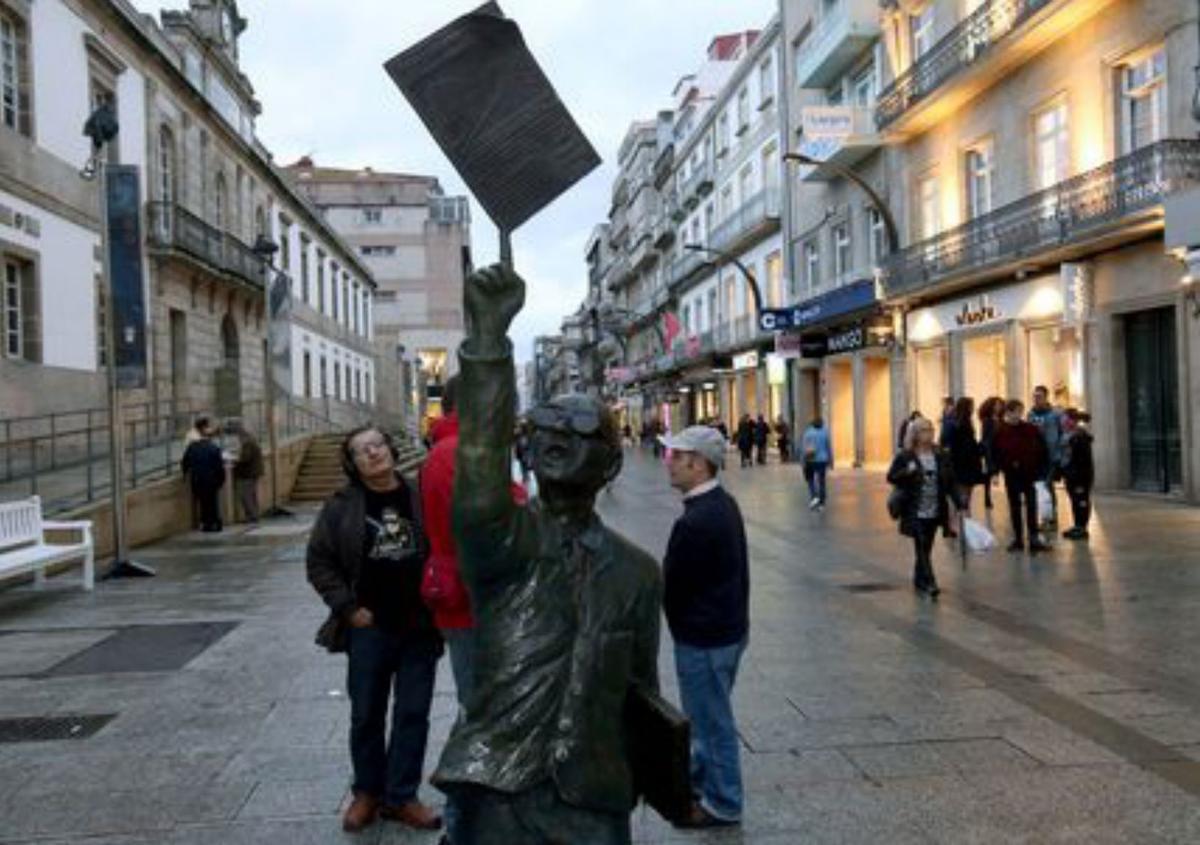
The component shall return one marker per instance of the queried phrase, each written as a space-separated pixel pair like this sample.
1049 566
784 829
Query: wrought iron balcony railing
757 216
1091 204
964 45
173 227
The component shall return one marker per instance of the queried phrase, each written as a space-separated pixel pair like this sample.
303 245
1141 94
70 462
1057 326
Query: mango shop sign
847 340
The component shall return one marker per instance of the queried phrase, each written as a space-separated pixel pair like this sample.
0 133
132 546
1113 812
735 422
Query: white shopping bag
976 537
1045 504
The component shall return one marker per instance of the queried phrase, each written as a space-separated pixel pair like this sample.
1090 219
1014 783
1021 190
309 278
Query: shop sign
844 301
776 370
787 345
746 361
846 340
977 312
827 121
814 345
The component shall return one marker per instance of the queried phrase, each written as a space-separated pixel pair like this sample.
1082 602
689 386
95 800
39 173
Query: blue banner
125 283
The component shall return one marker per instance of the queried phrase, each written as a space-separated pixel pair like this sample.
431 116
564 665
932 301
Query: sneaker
813 503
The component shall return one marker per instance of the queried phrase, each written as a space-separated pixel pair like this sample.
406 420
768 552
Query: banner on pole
279 324
127 298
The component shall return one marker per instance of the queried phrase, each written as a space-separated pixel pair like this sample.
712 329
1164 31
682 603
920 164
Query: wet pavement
1046 699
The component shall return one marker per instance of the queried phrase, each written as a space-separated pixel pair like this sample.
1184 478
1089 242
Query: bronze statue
567 611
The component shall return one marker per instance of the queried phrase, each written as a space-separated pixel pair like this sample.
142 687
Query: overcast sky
316 66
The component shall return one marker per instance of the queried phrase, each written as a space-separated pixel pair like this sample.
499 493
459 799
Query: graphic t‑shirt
390 586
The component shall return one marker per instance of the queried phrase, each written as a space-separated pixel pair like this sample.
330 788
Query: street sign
495 115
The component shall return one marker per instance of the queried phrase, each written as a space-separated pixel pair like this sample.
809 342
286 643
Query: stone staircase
321 475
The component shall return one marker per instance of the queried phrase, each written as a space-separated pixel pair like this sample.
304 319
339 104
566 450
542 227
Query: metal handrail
1063 213
970 39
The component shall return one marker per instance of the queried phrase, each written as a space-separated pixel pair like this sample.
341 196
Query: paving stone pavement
1053 699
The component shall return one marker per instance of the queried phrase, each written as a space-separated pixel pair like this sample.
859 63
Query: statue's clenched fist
492 297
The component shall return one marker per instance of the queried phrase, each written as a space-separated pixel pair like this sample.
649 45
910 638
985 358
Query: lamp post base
129 569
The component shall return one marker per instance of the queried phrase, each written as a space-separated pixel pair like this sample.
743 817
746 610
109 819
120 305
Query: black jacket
966 455
334 559
706 573
203 464
903 475
1078 469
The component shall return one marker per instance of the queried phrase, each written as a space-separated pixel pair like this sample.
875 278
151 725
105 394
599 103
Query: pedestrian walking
365 559
745 439
989 420
706 598
1021 458
204 466
904 428
762 432
1049 422
946 421
783 438
818 455
924 476
1078 472
966 455
247 470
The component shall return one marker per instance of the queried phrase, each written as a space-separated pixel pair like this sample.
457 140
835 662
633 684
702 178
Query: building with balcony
1040 146
209 191
837 234
416 241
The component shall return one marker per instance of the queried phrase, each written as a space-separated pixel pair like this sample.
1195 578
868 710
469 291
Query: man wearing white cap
706 598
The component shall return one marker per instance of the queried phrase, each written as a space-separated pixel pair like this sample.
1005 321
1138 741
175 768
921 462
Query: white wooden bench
23 546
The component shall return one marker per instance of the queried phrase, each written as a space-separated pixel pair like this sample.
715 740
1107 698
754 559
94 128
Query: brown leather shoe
361 813
414 814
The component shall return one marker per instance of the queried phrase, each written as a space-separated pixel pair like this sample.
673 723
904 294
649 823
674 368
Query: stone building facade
210 192
416 241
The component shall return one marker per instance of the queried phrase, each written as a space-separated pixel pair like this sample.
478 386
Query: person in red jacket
1021 457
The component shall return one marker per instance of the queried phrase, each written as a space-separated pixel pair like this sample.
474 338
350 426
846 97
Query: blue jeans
706 678
814 474
383 666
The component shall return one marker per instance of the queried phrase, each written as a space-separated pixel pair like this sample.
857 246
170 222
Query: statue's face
573 443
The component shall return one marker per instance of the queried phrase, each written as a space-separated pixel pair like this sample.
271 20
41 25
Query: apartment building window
366 313
770 168
324 376
354 313
166 165
1052 145
377 251
358 393
876 236
372 215
321 281
712 307
304 245
14 73
14 311
333 291
220 197
337 380
929 207
1144 100
367 387
722 134
726 207
921 25
308 385
841 249
102 85
743 110
285 244
766 83
346 302
979 179
687 320
863 87
746 183
812 264
774 280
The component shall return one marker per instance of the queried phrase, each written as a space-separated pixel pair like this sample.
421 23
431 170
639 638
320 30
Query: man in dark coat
1021 457
566 611
744 436
365 559
1079 471
204 466
762 431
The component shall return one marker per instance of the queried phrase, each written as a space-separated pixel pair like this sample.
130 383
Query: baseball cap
704 441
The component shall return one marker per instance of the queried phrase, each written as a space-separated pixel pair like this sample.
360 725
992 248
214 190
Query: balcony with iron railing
690 266
975 54
619 273
174 229
697 185
837 41
1115 203
751 222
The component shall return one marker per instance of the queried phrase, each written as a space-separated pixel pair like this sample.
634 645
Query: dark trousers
746 458
536 816
1016 489
1081 505
927 530
247 489
386 665
785 452
814 474
761 450
210 507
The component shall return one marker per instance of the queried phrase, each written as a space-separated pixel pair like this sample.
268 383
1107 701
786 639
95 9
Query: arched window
229 340
260 223
220 198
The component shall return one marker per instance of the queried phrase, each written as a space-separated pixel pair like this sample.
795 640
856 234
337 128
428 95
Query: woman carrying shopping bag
924 475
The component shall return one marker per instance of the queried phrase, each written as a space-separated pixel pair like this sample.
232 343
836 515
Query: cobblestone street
1044 700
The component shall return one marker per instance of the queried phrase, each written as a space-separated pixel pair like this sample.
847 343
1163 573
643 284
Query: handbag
976 537
897 501
660 740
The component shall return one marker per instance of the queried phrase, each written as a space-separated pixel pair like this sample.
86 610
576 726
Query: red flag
671 324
